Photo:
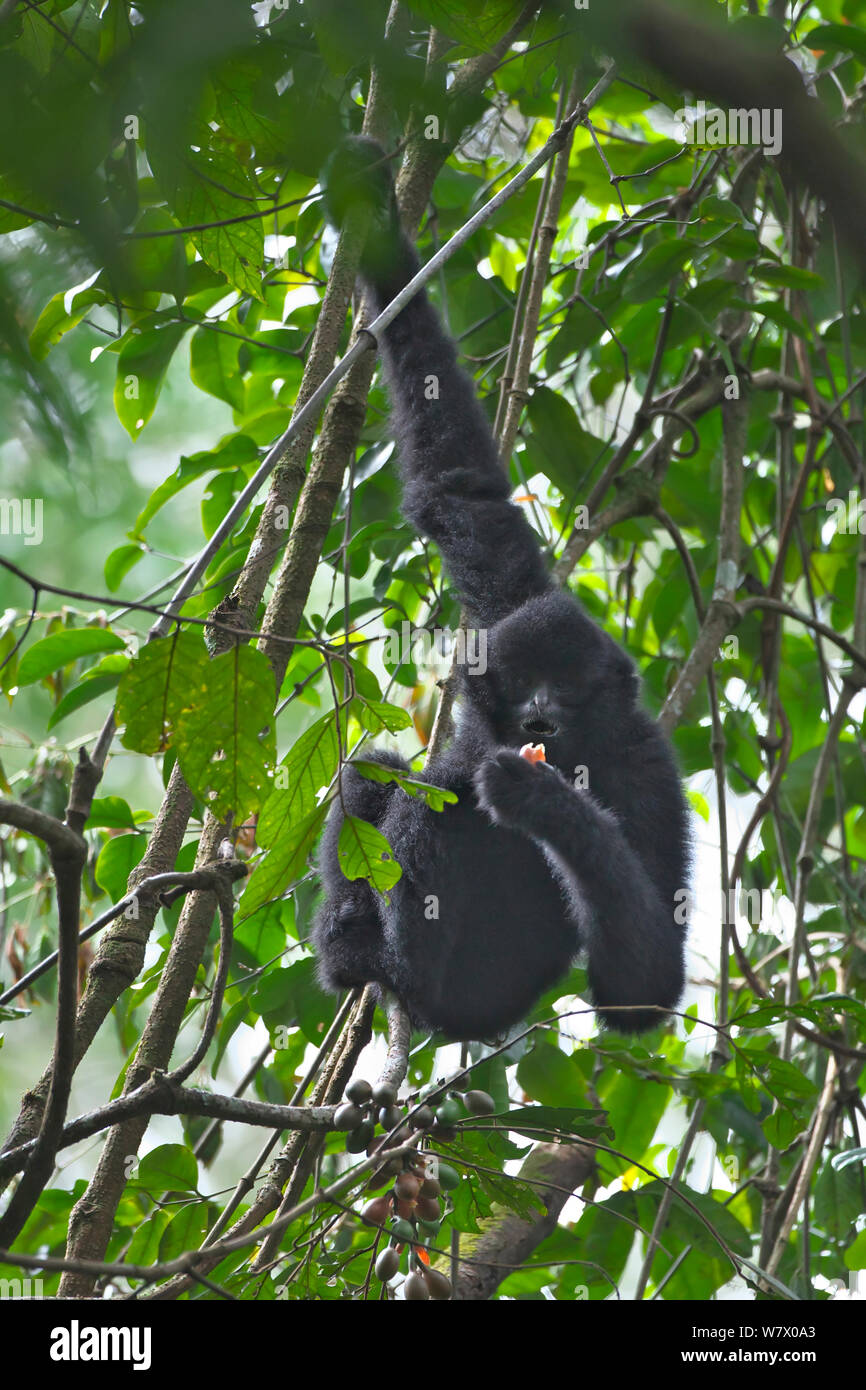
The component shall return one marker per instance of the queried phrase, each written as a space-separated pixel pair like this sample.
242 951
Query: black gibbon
533 864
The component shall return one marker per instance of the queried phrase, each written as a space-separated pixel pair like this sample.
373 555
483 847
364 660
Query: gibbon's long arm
454 487
634 958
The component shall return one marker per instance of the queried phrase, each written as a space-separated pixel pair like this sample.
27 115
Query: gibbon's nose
538 720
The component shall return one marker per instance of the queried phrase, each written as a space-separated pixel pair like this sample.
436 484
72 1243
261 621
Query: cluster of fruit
365 1105
411 1209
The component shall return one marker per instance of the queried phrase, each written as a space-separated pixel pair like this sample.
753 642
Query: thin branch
396 1063
68 853
163 1095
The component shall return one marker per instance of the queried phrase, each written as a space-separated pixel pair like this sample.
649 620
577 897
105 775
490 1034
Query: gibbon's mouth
542 727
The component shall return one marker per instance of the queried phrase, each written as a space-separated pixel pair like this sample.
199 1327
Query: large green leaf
213 365
845 38
225 731
58 650
102 677
61 313
563 450
283 864
657 269
141 368
549 1076
364 852
156 686
307 768
212 192
117 859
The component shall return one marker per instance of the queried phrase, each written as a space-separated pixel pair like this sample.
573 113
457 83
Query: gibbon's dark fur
500 891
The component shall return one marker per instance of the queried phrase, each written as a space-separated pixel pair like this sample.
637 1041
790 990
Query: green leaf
236 451
782 1127
546 1074
308 767
292 996
562 448
155 688
185 1231
225 733
141 367
364 852
699 803
119 563
437 798
476 23
846 38
283 864
95 682
247 107
215 188
705 329
168 1168
792 276
58 650
783 1079
61 313
117 859
214 366
855 1255
144 1248
111 811
838 1199
376 715
776 313
656 270
156 263
605 1234
634 1110
533 1120
719 209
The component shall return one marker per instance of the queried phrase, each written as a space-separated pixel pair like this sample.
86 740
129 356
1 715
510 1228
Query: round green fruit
438 1284
402 1231
448 1113
384 1093
423 1118
449 1178
359 1091
387 1264
415 1288
348 1116
479 1103
358 1139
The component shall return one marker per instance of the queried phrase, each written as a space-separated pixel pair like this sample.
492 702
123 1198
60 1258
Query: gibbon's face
552 677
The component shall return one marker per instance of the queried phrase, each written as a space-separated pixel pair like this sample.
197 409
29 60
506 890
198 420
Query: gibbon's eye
518 690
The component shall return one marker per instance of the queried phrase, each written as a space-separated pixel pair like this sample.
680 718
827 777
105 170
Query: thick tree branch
510 1240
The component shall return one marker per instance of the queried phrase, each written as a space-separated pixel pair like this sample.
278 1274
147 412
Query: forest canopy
211 604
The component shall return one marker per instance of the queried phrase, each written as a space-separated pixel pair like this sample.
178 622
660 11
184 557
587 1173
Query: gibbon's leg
347 934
